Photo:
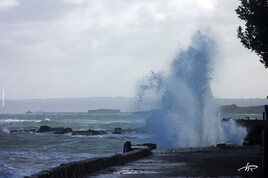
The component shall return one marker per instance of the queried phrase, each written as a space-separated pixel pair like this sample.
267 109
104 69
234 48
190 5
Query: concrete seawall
82 168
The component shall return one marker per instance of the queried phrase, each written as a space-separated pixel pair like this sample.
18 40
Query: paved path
208 162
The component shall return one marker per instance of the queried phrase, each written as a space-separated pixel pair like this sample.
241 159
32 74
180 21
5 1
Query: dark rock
19 131
13 131
57 130
62 130
118 131
16 131
30 130
225 145
89 132
44 128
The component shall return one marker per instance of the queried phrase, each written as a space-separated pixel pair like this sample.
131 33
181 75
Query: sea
23 153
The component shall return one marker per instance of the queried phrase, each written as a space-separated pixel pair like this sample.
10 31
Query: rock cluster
17 131
89 132
118 131
62 130
57 130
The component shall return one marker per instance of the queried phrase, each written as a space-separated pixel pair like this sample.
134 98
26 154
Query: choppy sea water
25 153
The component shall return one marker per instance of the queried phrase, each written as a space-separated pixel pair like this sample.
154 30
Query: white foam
18 120
5 130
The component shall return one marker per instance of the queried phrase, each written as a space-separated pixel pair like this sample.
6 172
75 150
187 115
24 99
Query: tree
255 35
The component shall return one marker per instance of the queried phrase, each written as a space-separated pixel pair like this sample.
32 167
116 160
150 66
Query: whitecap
18 120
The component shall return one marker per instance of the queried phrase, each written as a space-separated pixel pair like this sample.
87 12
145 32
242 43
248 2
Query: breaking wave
187 114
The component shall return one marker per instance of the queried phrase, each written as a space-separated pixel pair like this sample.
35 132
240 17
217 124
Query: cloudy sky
86 48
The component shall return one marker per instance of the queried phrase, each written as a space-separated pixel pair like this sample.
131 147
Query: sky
92 48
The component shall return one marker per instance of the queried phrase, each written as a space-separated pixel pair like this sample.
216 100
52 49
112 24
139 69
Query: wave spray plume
187 114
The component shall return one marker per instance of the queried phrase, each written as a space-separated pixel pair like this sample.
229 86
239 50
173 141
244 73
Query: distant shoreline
234 109
124 104
225 109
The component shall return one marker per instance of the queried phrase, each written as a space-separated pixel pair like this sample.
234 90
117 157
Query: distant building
28 112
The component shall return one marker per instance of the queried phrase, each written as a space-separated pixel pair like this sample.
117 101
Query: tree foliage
255 34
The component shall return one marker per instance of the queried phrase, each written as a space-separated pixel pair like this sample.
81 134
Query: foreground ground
193 162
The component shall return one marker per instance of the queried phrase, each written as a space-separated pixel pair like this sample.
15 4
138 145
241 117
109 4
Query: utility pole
265 142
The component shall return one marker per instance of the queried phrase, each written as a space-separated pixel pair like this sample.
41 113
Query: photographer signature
248 167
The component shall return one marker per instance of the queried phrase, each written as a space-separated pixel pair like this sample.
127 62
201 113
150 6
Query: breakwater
85 167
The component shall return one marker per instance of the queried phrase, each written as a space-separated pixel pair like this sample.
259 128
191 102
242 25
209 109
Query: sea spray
5 130
187 114
150 91
234 133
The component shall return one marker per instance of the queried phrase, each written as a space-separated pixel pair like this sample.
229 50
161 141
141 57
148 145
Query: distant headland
104 111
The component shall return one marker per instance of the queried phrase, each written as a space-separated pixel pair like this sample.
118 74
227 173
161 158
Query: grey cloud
66 49
8 4
35 10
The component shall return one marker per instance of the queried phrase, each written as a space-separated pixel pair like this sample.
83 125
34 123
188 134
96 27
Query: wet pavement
192 162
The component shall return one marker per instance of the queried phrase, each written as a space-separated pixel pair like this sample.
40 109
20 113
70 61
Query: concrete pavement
192 162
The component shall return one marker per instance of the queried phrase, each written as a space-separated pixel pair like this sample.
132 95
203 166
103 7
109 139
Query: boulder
57 130
44 128
13 131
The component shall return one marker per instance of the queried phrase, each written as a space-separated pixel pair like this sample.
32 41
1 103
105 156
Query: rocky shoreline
67 130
